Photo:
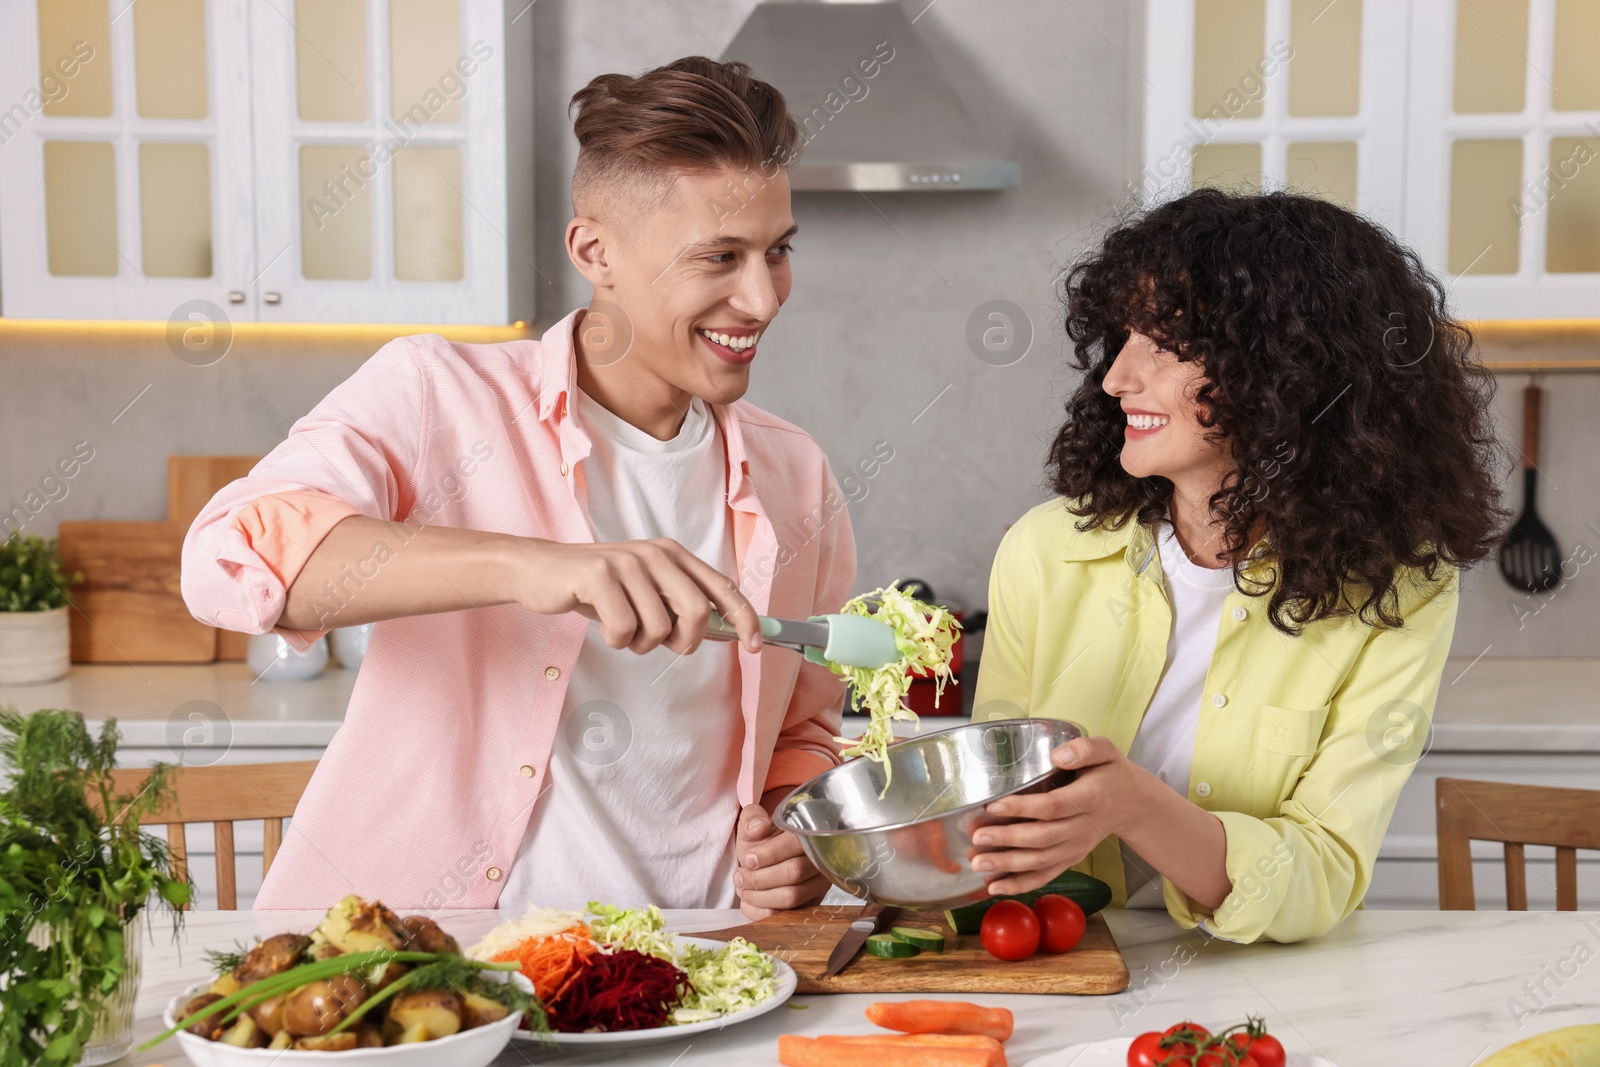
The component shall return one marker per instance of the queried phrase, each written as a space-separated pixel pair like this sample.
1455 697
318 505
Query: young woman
1275 466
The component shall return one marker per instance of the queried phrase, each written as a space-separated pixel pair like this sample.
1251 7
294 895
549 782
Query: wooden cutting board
803 938
191 483
128 608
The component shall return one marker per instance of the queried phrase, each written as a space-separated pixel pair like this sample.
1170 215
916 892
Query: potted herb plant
76 876
34 638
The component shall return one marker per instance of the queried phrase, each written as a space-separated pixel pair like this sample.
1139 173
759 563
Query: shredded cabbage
926 637
722 980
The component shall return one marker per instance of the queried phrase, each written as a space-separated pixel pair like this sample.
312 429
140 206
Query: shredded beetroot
623 990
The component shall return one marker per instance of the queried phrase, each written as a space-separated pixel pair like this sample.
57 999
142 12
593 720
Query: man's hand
773 873
643 593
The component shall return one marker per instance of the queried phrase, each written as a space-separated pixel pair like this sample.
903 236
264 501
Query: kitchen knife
854 937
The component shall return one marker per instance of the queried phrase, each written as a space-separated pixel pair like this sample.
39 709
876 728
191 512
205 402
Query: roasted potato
321 950
212 1026
437 1011
369 1035
317 1007
412 1035
479 1010
424 935
244 1033
273 956
390 972
343 1041
226 985
268 1015
355 925
283 1040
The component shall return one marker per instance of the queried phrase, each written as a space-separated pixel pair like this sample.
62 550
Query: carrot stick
881 1051
941 1017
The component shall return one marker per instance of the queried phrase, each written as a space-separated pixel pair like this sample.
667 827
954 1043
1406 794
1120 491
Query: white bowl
470 1048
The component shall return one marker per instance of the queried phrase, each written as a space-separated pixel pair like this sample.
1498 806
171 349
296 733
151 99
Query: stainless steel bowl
910 848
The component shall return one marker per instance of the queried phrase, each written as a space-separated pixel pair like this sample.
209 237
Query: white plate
471 1048
659 1035
1113 1052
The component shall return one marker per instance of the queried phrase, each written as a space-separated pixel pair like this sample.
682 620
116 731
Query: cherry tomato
1146 1050
1010 930
1061 922
1268 1051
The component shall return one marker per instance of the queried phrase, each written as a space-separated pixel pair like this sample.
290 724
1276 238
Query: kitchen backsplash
871 354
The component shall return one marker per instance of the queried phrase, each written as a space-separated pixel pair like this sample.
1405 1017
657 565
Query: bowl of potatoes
365 985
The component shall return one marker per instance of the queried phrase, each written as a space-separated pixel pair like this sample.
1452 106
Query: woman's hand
1067 823
773 872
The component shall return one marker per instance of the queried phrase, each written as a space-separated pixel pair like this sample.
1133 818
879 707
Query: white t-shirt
641 798
1164 744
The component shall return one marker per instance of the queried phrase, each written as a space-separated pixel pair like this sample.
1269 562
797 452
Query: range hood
875 110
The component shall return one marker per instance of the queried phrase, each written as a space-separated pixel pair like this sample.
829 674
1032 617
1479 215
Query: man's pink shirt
423 795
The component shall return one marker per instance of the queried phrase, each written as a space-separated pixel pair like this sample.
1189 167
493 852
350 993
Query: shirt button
552 673
564 469
1203 789
1239 614
525 770
493 874
1218 700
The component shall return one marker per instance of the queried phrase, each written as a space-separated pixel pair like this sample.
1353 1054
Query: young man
541 530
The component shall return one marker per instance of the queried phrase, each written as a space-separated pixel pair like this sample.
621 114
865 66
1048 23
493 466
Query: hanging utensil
1529 559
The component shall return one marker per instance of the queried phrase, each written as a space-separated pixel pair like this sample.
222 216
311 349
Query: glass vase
113 1030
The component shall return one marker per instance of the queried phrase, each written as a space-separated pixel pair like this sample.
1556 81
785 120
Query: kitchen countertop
1487 705
1420 989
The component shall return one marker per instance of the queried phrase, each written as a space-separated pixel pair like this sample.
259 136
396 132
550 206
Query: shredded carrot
552 963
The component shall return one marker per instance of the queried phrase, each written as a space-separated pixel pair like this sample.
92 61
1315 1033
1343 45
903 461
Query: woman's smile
1142 424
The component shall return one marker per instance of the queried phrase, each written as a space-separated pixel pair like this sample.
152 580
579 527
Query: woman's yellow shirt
1302 744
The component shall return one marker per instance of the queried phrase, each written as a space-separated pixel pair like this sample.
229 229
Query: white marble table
1385 988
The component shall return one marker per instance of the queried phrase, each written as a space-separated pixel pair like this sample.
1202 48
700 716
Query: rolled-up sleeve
806 746
355 453
1301 872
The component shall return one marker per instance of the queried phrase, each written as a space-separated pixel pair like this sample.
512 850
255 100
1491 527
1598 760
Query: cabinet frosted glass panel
1490 56
81 207
427 214
175 209
1485 180
1234 167
335 213
76 33
330 54
1574 71
1229 41
1323 168
1572 241
1325 72
169 53
424 44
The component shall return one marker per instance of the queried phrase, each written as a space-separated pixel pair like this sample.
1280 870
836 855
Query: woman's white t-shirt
1164 744
642 798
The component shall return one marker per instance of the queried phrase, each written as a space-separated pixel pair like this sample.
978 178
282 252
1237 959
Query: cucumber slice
1090 893
890 947
925 940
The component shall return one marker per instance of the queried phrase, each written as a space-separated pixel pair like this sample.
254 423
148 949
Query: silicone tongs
848 640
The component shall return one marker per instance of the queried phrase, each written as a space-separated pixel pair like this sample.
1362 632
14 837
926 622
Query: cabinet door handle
272 298
235 296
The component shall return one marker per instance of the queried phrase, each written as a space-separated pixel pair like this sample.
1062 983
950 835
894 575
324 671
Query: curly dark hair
1353 405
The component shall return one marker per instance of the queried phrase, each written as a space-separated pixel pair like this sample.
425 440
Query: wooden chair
1518 815
222 796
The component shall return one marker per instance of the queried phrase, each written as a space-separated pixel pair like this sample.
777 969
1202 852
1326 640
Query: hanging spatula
1529 558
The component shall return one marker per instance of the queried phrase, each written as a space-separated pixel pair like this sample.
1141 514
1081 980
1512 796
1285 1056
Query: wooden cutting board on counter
191 483
803 938
129 608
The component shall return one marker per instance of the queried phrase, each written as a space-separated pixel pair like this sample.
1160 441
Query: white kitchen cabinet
1467 127
295 161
